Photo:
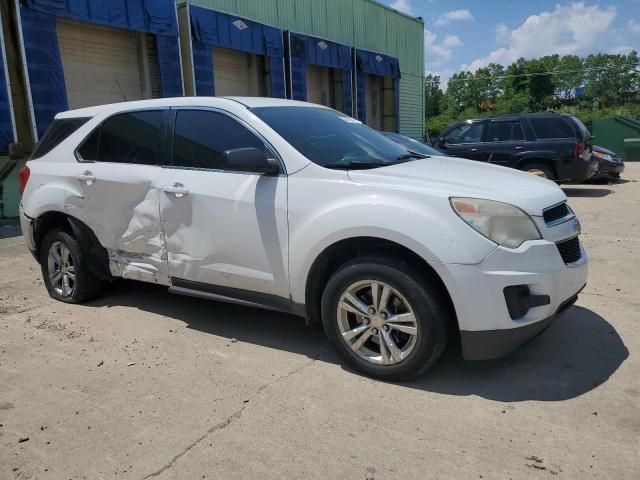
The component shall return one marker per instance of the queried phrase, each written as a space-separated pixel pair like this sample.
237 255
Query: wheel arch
341 251
522 163
89 243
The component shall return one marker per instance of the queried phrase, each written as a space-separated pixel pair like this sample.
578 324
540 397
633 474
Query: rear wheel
64 269
540 169
385 318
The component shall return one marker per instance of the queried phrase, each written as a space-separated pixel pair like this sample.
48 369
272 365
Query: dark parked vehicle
555 146
610 164
412 144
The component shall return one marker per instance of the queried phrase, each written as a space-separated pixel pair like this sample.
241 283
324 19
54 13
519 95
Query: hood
455 177
604 150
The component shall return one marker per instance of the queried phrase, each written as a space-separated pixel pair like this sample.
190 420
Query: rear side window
57 133
467 133
549 128
132 137
582 128
201 138
506 131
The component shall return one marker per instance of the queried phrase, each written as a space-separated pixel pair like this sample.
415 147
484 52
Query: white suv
299 208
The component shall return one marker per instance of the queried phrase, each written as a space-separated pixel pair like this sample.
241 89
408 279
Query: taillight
579 150
23 177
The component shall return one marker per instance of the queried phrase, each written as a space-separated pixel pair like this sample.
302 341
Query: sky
462 35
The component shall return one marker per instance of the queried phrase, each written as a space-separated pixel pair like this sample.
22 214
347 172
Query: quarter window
506 131
57 133
467 133
132 137
201 138
549 128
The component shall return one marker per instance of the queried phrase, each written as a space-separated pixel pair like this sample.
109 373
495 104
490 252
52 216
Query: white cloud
454 16
621 50
502 34
403 6
439 52
634 27
569 29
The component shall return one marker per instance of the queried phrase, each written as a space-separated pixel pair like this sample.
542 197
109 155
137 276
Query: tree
569 76
433 95
540 85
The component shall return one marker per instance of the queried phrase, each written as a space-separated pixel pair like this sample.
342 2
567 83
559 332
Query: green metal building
362 24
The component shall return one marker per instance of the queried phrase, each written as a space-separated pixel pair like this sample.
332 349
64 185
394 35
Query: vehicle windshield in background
412 144
332 139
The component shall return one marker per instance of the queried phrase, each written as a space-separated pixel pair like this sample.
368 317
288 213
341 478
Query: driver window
202 136
467 133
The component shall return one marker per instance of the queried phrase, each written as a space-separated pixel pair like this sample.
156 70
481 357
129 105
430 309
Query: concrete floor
144 384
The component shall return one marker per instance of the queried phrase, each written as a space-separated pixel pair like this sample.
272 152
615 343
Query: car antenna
121 90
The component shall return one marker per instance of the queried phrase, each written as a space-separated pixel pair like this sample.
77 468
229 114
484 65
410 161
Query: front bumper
498 343
609 170
487 327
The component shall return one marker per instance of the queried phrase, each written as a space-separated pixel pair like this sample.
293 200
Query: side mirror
251 160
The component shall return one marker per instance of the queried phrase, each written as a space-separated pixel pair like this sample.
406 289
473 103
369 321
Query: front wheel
385 318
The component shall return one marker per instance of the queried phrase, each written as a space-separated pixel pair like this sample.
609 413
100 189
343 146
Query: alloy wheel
377 322
62 272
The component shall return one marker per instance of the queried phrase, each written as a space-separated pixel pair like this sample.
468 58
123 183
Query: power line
550 72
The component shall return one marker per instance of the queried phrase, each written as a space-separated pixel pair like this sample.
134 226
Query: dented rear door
119 173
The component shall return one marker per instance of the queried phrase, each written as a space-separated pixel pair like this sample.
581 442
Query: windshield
412 144
332 139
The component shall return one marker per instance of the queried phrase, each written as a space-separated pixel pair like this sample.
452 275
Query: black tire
426 298
545 169
85 286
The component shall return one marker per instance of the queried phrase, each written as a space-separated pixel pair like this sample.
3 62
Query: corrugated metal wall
360 23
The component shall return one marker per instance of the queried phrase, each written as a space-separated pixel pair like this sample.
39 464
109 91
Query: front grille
552 214
570 250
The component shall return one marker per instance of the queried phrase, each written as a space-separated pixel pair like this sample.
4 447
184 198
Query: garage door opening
380 103
240 74
378 90
106 65
324 87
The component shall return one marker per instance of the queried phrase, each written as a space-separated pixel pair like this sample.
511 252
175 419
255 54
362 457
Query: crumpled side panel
140 253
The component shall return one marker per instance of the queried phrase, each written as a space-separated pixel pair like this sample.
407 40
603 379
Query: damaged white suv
299 208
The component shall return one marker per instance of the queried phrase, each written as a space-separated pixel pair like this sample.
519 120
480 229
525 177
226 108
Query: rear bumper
578 170
26 224
486 345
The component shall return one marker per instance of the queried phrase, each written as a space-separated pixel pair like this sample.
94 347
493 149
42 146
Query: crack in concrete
611 297
229 420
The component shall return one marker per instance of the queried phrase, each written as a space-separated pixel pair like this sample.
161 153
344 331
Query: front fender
425 225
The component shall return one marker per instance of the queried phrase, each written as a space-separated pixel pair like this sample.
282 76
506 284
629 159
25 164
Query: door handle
473 150
177 189
519 148
86 176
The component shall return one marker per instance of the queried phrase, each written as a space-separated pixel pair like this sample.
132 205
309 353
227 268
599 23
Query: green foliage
611 87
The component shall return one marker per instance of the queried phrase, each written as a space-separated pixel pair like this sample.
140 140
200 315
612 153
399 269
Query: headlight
602 156
505 224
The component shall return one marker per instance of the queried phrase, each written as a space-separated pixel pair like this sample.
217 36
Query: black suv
552 145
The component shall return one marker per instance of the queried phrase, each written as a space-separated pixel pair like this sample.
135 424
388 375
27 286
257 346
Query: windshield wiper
357 165
411 155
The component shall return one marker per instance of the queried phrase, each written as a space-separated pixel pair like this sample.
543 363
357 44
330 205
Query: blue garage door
228 36
331 83
378 88
46 76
